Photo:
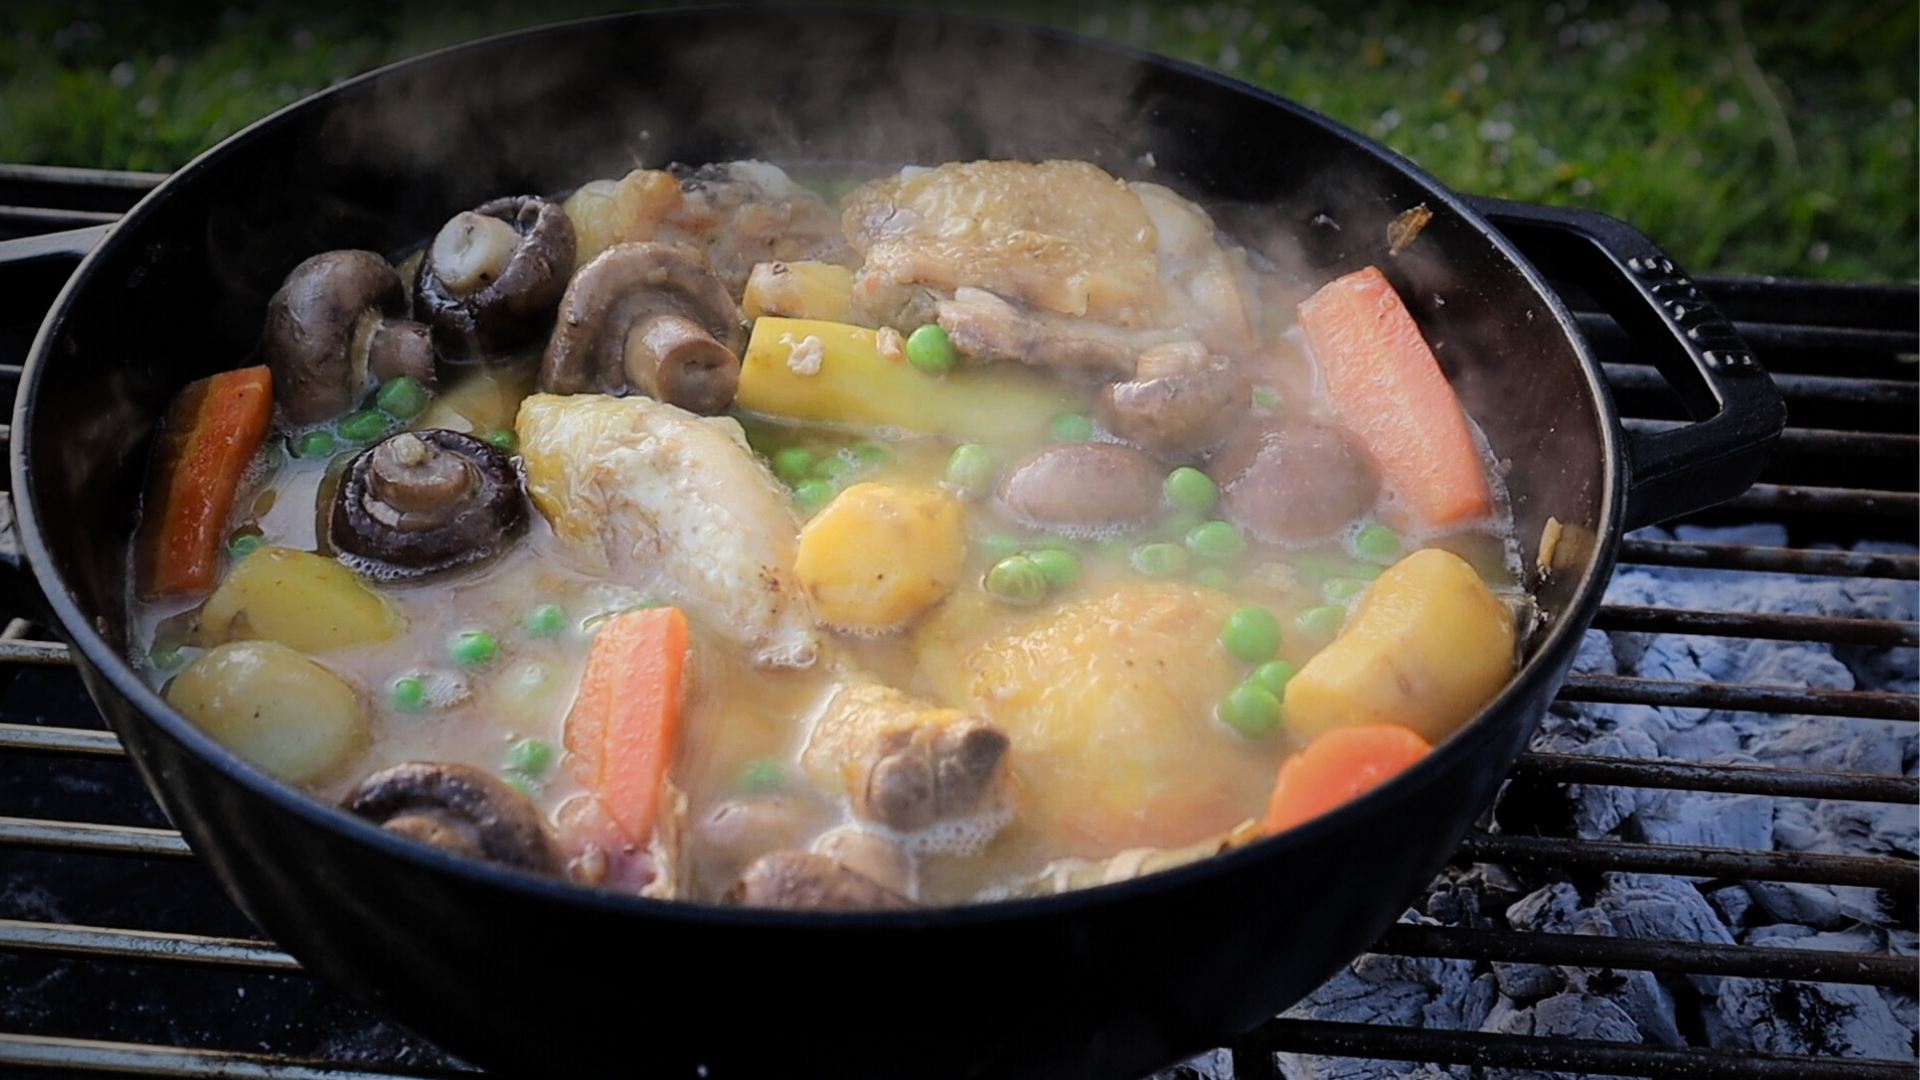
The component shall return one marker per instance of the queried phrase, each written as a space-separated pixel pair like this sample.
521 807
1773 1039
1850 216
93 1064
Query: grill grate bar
37 653
83 838
101 942
1252 1058
75 742
1736 778
1837 630
1809 701
88 1057
1802 498
1818 868
1769 559
1676 957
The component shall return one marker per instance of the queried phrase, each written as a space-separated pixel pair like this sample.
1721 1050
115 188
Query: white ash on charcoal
1767 1015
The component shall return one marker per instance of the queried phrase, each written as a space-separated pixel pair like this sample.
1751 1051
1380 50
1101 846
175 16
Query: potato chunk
274 707
880 554
305 601
1428 644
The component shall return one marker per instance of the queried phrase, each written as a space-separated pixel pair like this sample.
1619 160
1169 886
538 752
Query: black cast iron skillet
537 977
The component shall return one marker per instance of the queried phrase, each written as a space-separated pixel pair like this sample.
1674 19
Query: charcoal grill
120 956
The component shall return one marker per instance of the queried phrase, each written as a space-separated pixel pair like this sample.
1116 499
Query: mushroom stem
400 347
673 359
471 249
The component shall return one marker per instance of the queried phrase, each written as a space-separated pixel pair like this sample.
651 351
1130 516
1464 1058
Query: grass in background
1757 137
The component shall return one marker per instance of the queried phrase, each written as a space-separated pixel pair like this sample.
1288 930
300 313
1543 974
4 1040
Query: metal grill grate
119 955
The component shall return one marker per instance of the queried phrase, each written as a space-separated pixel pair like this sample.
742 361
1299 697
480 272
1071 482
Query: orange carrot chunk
1391 395
626 717
206 441
1338 766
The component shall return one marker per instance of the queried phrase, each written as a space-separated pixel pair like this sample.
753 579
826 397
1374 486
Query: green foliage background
1756 137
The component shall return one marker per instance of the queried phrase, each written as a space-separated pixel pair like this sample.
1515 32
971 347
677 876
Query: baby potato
305 601
1427 645
274 707
880 554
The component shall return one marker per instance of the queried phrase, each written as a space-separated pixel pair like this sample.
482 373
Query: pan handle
1736 410
66 244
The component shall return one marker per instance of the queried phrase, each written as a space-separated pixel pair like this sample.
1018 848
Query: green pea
1071 427
1159 558
1365 571
793 463
521 783
929 350
401 397
408 693
1265 398
530 756
472 648
1213 577
544 620
972 467
763 776
1060 566
834 466
1017 579
502 439
1251 633
1322 622
315 444
364 426
1336 589
1316 566
1215 540
166 657
1377 543
868 452
1177 525
999 545
244 544
1190 489
813 493
1251 709
1274 675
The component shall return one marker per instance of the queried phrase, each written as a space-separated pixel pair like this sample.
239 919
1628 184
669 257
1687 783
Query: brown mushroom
649 318
922 775
809 881
1293 479
419 502
333 328
1089 486
457 808
1181 400
493 275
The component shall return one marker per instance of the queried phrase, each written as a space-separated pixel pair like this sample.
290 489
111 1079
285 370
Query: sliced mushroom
333 327
1181 400
809 881
1293 479
457 808
649 318
493 275
1090 486
419 502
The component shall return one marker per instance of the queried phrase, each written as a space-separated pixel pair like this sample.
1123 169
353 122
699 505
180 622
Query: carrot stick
1338 766
1391 395
206 442
626 716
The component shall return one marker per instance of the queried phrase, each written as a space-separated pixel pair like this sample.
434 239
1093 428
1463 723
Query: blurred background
1746 137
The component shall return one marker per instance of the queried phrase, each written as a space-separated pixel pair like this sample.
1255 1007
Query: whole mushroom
457 808
493 275
335 326
1293 479
419 502
650 318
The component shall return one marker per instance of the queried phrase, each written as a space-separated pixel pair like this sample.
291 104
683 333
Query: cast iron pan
539 978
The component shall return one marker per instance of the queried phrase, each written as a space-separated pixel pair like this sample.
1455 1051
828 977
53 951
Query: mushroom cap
1293 479
457 808
421 502
517 305
1182 400
622 287
310 325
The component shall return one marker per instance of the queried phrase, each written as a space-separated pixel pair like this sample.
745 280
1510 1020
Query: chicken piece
1060 235
1209 287
985 326
676 505
906 764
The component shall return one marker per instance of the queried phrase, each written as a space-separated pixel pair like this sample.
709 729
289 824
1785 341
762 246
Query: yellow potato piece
274 707
1427 646
297 598
879 554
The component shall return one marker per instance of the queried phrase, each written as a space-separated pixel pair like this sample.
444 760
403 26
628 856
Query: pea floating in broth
989 534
